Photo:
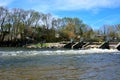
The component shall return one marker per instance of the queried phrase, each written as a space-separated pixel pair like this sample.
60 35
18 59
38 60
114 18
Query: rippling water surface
44 64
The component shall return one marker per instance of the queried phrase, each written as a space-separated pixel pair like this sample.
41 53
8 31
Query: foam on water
55 52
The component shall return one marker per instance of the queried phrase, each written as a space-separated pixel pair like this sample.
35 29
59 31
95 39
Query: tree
3 20
72 27
88 33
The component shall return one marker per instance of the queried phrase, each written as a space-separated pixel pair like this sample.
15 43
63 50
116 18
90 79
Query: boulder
105 45
78 45
69 45
118 46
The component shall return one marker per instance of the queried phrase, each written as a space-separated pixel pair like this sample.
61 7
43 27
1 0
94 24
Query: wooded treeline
19 26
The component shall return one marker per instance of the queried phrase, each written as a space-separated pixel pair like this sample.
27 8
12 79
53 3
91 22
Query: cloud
70 5
5 2
89 4
66 5
110 19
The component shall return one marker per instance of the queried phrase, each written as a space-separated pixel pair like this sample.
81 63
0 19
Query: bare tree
3 20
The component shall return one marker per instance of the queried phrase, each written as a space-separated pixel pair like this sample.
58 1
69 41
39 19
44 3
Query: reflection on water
76 66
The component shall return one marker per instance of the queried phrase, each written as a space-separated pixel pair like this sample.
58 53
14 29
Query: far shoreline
60 45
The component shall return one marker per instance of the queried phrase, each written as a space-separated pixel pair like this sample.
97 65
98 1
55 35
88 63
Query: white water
54 52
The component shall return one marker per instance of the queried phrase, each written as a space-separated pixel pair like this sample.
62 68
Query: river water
59 64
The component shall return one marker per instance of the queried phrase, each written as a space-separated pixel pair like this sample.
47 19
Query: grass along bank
45 45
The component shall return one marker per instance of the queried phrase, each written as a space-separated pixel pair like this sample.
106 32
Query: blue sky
95 13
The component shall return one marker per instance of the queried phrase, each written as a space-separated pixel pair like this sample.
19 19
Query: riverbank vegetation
19 27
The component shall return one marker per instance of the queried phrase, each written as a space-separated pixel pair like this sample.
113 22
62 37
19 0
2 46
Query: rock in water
78 45
118 46
105 45
69 45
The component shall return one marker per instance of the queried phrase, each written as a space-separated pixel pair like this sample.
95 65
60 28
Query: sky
95 13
